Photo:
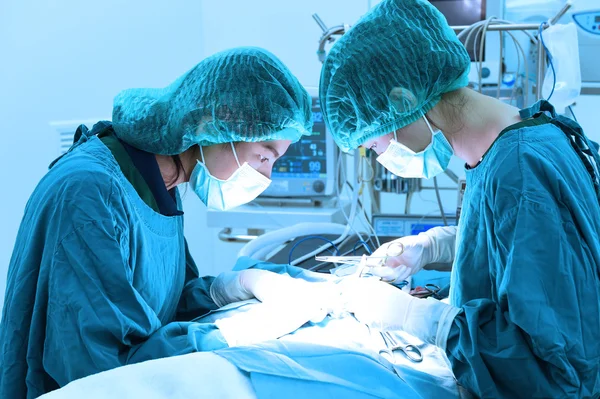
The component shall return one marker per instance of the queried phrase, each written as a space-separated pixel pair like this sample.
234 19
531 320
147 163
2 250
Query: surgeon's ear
220 161
379 144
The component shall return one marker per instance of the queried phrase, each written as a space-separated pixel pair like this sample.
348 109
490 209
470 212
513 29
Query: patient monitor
308 167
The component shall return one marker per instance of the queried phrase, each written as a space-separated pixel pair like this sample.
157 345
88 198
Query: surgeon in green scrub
523 319
100 275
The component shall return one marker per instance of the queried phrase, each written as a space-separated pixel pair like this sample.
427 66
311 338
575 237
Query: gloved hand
287 304
273 288
265 321
385 307
433 246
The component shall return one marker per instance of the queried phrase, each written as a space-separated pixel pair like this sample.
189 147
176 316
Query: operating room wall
66 60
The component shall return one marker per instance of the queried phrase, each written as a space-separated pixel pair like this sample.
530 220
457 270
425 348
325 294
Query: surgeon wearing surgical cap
523 319
100 276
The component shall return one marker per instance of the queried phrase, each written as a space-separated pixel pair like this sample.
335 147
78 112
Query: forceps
394 249
410 351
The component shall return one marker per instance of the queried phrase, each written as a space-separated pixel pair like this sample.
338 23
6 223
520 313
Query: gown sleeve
195 300
96 320
536 339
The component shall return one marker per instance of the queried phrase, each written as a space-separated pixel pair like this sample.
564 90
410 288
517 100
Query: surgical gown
527 272
97 280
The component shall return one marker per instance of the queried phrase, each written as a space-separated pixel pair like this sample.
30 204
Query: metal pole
327 37
562 12
541 70
320 22
501 27
541 55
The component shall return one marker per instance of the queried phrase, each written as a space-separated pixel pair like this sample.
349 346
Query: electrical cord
361 170
549 60
477 29
409 196
344 243
496 21
439 200
349 218
337 251
481 47
367 248
500 64
364 214
361 180
346 230
526 66
354 200
517 48
573 113
595 163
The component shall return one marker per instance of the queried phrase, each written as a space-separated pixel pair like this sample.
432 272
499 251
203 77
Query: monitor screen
308 157
463 12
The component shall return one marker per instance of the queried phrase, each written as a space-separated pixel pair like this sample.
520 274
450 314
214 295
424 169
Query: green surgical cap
393 65
243 94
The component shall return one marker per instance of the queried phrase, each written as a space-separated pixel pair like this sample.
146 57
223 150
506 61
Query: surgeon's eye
263 159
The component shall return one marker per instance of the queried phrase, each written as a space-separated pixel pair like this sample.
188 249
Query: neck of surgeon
471 122
172 173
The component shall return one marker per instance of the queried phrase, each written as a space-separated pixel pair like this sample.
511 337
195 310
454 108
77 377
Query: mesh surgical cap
390 67
243 94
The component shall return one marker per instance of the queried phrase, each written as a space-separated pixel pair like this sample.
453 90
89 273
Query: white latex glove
385 307
273 288
436 245
265 321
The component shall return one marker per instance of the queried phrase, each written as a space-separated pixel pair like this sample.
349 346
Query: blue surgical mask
404 162
243 186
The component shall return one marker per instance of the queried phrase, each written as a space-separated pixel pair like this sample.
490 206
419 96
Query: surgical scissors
410 351
426 291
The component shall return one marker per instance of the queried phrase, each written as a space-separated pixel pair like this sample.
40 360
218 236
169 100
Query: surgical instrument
393 249
410 351
426 291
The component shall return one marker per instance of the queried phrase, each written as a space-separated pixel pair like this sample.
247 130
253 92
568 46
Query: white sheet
197 375
209 375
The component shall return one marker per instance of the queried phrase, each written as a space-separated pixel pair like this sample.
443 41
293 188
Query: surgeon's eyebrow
273 150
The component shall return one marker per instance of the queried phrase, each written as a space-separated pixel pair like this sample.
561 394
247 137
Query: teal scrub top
527 268
97 280
132 173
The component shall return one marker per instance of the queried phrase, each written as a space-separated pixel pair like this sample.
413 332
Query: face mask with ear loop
404 162
243 186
